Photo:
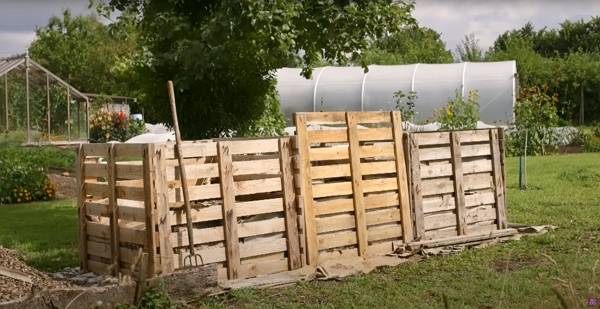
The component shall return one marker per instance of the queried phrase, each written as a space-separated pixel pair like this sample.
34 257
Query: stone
58 276
66 174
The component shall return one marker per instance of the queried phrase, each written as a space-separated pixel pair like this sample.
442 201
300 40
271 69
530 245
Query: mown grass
563 191
44 234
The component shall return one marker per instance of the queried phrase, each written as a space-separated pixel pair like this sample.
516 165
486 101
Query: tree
221 55
469 50
410 45
80 51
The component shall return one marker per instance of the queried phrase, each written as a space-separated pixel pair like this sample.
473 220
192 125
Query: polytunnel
350 89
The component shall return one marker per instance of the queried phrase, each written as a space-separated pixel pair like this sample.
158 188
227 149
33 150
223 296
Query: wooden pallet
457 183
353 184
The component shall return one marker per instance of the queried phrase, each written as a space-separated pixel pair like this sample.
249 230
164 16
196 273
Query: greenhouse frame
22 83
351 89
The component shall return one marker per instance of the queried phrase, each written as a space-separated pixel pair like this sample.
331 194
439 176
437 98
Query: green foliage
272 122
407 109
222 55
458 114
536 115
592 144
412 44
469 50
23 175
155 298
114 126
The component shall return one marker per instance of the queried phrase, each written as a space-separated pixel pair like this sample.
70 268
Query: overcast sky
453 18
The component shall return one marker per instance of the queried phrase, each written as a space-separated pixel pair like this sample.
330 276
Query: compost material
12 288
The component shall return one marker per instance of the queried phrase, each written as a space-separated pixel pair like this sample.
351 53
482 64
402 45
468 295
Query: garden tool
192 258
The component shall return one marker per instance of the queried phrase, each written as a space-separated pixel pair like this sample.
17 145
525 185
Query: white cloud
15 42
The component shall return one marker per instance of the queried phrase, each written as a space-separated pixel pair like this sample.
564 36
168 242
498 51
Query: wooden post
582 110
6 100
499 194
149 168
140 288
416 188
232 245
69 113
289 204
310 228
357 189
27 95
407 161
502 143
48 104
87 118
459 189
401 176
112 209
81 209
164 217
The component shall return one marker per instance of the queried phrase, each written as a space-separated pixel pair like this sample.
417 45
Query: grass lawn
563 191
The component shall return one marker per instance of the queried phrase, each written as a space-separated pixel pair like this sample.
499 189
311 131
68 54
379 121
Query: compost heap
12 289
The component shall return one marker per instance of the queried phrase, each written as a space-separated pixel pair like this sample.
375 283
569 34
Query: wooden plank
81 206
442 170
123 170
442 203
320 118
229 212
439 138
243 209
498 181
124 212
191 149
459 189
341 153
95 150
129 150
150 208
254 167
141 284
357 189
254 146
192 171
416 186
375 134
347 221
289 206
443 153
310 230
112 209
327 136
343 170
162 209
101 189
337 240
392 232
13 274
447 219
373 117
103 250
240 188
501 144
401 176
130 235
462 239
445 186
345 188
407 163
346 204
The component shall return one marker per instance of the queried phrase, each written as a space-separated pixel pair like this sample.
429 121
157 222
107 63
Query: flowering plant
458 114
111 126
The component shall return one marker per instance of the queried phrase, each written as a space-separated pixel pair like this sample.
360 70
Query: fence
268 205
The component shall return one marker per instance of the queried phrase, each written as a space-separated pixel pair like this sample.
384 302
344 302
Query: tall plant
458 113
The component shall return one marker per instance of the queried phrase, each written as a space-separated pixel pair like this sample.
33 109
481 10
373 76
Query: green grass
44 234
44 156
563 191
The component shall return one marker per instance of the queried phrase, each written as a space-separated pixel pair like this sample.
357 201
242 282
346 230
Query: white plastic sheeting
350 89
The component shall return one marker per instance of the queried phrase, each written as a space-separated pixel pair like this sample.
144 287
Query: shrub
592 144
458 114
23 176
114 126
535 116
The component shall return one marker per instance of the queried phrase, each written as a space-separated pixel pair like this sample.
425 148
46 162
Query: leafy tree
410 45
469 50
221 55
80 51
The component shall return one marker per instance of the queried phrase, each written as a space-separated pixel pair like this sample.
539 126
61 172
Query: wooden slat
459 189
373 117
129 150
194 170
162 208
403 192
502 144
112 209
327 136
439 138
124 170
321 118
101 189
442 153
385 233
254 146
95 150
346 204
357 189
442 170
343 170
242 209
345 188
289 200
215 234
193 149
229 212
130 235
442 203
448 219
150 208
310 230
103 250
347 221
498 181
81 206
254 167
446 186
416 186
124 212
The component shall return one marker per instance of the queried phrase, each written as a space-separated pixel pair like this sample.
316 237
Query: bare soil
12 289
65 185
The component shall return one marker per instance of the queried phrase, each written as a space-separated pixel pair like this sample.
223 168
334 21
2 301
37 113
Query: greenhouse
351 89
38 106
